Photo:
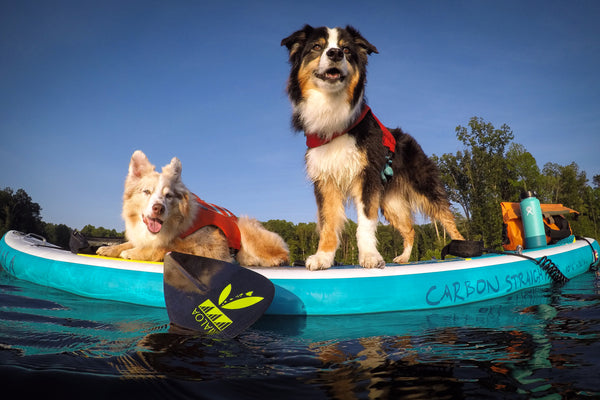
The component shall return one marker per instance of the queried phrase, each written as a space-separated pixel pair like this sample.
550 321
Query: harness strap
314 140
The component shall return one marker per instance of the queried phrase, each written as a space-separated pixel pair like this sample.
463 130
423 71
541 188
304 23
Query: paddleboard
339 290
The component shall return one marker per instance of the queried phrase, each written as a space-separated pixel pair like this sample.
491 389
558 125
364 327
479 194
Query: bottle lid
528 193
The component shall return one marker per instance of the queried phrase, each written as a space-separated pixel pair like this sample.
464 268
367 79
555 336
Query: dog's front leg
145 254
366 238
114 250
330 204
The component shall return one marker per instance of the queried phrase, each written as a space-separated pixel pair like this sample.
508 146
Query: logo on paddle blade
212 319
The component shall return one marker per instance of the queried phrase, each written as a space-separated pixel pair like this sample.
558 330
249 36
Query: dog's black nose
335 54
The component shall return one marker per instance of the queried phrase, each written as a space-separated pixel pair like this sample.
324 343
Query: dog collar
314 140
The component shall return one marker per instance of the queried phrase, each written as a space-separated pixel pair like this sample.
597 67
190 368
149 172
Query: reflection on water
539 343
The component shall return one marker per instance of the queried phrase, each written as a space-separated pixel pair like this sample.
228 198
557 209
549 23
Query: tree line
490 169
19 212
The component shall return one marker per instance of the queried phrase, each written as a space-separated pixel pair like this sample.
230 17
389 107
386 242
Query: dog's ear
173 169
139 165
296 40
360 41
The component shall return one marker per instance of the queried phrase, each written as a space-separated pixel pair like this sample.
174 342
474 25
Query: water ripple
541 343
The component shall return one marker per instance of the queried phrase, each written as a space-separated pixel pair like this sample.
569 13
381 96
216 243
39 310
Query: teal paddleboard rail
298 291
32 259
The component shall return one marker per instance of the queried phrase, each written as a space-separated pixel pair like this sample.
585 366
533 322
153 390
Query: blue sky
83 84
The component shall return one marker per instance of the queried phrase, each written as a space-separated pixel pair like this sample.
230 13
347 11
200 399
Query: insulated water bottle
533 221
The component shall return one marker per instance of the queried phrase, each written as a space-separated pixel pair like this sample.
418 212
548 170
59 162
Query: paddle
213 296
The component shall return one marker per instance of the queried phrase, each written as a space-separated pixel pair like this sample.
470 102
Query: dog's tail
260 247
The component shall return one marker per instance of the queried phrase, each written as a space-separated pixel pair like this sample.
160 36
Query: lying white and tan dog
162 215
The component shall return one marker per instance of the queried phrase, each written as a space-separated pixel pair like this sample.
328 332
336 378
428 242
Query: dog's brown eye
317 47
346 50
147 192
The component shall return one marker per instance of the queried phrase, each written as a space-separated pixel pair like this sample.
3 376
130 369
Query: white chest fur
325 113
339 162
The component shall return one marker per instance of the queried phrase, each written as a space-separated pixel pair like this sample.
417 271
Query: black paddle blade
213 296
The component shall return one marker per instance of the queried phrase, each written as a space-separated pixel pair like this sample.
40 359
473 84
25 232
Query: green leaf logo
241 300
242 303
224 294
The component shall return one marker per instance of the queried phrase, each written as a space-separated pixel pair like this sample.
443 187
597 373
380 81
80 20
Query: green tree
564 184
307 240
568 185
19 212
347 252
454 172
100 232
478 177
524 172
390 242
592 198
57 234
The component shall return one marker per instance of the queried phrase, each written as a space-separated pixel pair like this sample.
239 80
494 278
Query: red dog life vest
210 214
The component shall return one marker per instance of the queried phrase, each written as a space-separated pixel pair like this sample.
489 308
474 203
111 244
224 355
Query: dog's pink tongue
154 225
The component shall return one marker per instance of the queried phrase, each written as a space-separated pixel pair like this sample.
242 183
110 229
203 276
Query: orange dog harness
210 214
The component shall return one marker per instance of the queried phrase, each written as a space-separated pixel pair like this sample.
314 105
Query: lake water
539 343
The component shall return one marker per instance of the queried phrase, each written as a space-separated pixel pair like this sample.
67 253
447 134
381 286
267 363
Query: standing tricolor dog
350 153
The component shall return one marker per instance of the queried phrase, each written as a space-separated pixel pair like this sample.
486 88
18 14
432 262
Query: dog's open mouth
331 75
154 224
